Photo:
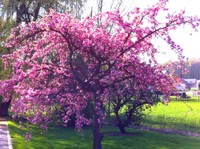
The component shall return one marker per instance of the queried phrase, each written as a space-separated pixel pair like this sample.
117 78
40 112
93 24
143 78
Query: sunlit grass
178 114
67 138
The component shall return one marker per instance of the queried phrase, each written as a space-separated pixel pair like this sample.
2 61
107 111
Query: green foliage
128 110
30 10
5 27
137 115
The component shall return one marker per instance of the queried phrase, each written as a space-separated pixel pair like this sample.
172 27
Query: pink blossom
61 63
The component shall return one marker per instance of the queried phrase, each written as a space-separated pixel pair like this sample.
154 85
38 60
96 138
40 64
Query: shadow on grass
67 138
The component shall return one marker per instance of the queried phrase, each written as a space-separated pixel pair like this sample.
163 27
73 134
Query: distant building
192 84
181 86
187 84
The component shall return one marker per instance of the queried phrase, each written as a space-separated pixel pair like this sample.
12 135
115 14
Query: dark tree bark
97 135
122 128
120 124
4 108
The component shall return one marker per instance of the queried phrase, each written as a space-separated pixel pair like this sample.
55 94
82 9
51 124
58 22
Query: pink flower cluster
61 63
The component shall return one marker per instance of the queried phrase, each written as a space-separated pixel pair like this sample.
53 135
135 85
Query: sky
190 44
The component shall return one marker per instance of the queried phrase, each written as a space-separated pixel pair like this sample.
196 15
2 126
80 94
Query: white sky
190 44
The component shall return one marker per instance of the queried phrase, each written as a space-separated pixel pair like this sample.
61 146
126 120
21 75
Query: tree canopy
30 10
61 63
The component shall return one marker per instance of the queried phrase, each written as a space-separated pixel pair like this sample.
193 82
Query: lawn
67 138
179 115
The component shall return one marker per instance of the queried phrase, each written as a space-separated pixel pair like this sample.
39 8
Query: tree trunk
122 129
4 108
119 121
97 135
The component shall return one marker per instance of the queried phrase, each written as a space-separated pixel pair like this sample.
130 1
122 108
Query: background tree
30 10
47 77
14 12
127 102
193 69
5 27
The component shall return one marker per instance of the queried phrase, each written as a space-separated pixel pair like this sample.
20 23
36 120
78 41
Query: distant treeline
193 68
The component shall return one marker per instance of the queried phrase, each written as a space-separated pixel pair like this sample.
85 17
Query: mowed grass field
67 138
179 114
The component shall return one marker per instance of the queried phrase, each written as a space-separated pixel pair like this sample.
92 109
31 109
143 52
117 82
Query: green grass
67 138
56 137
179 115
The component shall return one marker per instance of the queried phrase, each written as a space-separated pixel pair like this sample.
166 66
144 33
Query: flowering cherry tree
60 63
